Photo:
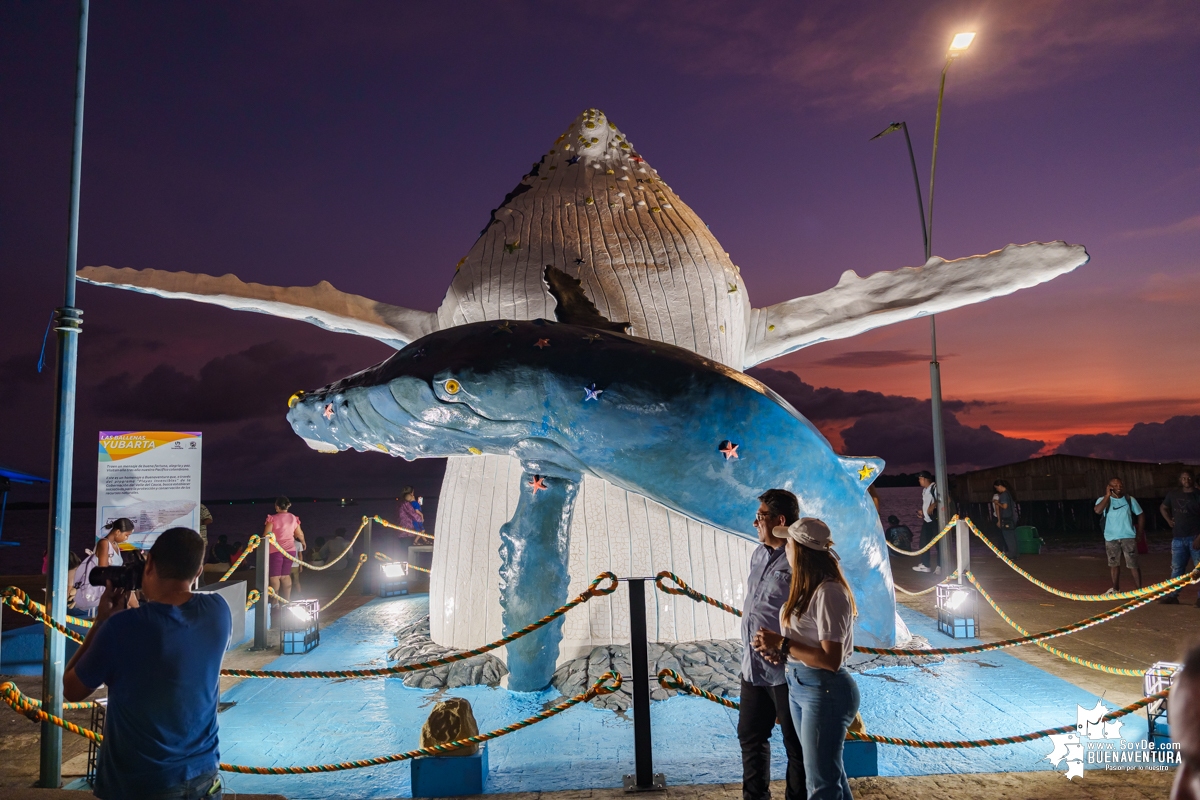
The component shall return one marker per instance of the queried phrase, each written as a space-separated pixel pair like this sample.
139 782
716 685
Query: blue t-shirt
1117 522
162 666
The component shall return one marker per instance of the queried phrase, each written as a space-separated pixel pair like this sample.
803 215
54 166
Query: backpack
87 596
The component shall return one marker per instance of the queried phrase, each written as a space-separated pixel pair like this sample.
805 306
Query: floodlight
960 43
395 569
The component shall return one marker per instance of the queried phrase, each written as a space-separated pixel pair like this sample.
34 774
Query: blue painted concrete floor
301 722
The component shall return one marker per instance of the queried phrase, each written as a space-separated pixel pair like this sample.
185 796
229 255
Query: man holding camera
161 661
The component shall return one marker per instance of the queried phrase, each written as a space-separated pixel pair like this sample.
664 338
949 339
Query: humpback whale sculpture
593 206
565 400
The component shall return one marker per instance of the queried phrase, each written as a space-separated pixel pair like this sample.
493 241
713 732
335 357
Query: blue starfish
573 160
592 393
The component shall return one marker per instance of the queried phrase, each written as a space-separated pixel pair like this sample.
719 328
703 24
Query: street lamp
958 46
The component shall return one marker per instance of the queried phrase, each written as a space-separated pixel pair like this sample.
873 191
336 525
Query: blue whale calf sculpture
693 434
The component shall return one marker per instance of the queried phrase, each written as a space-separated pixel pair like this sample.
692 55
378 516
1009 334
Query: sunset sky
366 143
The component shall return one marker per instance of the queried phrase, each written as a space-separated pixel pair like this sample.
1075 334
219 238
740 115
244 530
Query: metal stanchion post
963 535
262 609
369 572
644 779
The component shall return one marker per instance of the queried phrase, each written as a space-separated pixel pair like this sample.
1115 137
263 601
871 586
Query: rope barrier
931 543
362 559
1173 583
607 683
31 708
387 524
683 589
902 590
1083 662
307 565
18 601
251 545
593 590
670 679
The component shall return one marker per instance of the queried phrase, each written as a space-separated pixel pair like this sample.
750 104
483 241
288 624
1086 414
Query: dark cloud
896 428
1177 439
252 383
863 359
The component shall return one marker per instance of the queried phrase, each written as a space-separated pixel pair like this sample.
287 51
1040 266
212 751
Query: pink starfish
540 343
729 449
537 484
328 412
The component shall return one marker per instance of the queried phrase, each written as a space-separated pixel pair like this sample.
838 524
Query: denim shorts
1115 547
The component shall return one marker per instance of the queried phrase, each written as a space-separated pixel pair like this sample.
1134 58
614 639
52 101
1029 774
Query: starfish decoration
514 247
328 412
592 393
579 261
420 353
537 484
540 343
732 288
475 451
866 472
573 160
637 159
591 337
729 449
505 327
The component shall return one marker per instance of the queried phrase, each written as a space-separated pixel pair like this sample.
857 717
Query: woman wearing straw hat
818 637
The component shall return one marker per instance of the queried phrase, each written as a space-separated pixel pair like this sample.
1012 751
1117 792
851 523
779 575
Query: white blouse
828 618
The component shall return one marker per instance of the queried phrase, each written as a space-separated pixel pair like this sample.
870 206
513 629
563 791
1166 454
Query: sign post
150 477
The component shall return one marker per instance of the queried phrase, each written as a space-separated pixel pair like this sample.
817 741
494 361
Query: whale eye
452 386
296 398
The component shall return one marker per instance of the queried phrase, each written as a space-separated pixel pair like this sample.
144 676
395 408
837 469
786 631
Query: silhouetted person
898 534
1181 510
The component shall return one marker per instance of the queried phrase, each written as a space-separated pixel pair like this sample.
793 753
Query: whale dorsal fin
574 308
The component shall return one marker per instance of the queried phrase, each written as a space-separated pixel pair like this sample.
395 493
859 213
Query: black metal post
643 778
262 561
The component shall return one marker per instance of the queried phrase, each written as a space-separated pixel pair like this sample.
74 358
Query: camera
128 576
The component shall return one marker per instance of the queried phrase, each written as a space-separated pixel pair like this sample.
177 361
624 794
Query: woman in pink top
286 527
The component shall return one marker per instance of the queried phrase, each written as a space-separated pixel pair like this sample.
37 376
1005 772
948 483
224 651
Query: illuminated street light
960 43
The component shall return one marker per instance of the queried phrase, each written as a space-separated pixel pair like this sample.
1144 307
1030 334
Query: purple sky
366 143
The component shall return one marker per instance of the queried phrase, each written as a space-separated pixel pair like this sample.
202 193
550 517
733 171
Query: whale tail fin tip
863 469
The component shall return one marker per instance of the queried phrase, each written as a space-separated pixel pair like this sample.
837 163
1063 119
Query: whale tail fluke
864 470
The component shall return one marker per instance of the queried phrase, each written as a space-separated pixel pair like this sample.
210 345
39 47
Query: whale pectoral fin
322 305
857 304
534 548
863 469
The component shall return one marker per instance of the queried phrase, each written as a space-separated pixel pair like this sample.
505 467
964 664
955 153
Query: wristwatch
784 646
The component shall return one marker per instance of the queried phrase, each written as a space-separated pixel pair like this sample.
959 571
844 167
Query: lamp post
69 321
958 46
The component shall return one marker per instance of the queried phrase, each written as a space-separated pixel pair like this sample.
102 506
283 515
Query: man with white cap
764 697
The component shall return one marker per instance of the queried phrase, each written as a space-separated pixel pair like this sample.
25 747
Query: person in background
764 693
205 520
408 515
314 557
1181 510
84 596
1117 513
222 552
1006 516
236 552
161 663
929 528
334 548
817 623
1183 717
899 535
286 527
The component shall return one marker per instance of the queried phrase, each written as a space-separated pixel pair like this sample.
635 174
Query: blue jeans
823 706
1181 552
204 787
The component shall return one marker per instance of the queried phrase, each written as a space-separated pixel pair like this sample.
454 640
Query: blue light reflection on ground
298 722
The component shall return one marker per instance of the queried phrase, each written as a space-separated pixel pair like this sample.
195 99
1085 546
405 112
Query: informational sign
150 477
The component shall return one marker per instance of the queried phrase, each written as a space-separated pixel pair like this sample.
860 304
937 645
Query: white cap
808 531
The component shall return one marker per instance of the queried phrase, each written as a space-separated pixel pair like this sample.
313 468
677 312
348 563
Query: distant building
1058 492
